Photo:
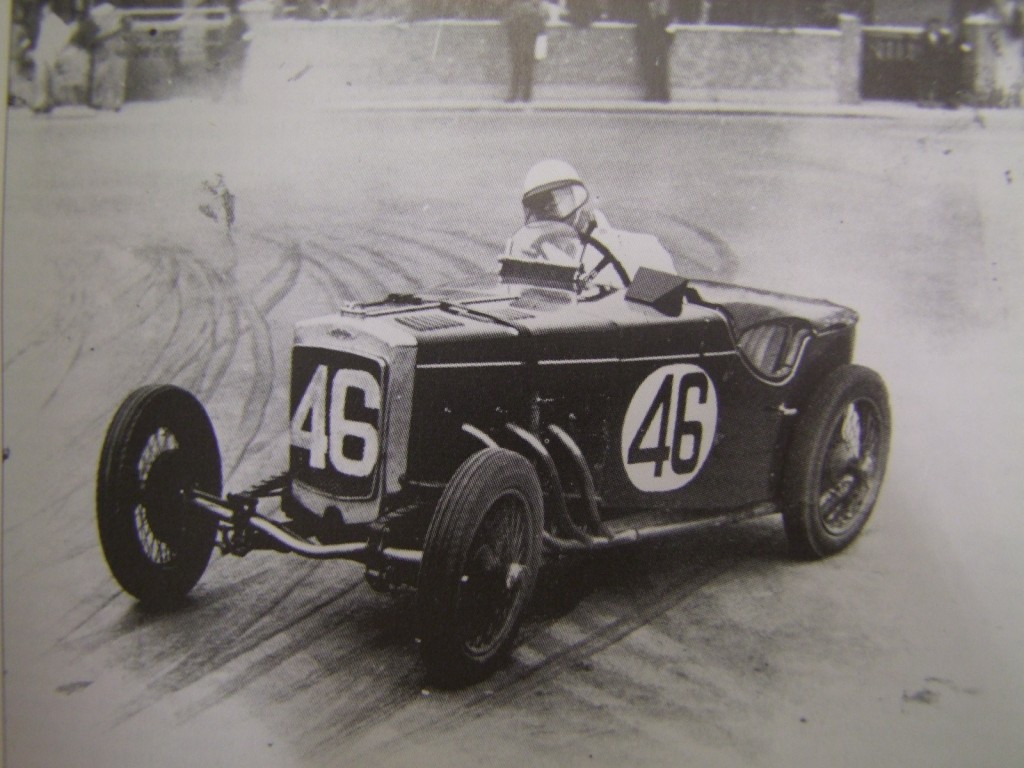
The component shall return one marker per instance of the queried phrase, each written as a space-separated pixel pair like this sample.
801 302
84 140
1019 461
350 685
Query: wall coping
606 25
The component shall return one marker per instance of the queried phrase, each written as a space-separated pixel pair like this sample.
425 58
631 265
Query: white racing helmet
554 191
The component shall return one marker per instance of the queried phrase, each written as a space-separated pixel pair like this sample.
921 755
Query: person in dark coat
654 46
934 65
524 21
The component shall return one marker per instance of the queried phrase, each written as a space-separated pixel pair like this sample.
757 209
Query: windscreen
547 241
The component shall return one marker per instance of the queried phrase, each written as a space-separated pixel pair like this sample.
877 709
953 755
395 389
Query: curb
866 110
882 110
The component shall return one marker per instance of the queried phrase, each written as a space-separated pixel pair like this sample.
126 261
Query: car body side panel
667 410
581 367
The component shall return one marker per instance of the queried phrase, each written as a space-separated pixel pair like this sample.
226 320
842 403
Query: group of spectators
52 37
65 52
74 51
525 23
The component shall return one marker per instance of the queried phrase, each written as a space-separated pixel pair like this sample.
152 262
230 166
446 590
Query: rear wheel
480 563
836 463
160 444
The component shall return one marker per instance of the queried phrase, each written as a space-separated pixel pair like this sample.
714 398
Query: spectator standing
109 49
934 65
524 22
54 35
654 46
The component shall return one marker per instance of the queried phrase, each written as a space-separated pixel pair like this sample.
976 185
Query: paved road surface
716 650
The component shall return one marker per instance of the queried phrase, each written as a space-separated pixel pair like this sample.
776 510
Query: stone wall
452 60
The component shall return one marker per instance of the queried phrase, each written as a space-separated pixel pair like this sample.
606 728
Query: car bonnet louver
429 321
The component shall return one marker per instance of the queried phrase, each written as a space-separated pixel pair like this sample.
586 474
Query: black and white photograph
513 383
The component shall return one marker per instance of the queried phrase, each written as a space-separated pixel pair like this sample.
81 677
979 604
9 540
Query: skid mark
337 649
254 408
449 257
96 611
211 654
280 281
546 648
486 244
322 268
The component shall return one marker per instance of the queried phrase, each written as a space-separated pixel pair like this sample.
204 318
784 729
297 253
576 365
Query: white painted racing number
669 427
351 445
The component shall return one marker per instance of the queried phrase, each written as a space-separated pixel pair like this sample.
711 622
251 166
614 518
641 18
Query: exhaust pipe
654 532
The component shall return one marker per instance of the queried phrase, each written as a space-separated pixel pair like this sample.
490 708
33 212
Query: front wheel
836 462
480 563
159 446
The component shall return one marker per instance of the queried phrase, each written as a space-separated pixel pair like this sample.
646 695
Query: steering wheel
607 259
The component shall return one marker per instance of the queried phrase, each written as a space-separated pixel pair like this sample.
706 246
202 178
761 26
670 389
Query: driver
554 191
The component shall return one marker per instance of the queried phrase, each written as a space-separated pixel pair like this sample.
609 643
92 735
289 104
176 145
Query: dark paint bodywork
502 353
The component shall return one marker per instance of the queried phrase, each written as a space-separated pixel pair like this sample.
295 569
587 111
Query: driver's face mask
557 204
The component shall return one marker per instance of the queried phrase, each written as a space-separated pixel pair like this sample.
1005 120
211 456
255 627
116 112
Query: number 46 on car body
669 427
352 446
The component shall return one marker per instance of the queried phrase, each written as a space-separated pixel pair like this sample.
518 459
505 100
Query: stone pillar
851 51
995 63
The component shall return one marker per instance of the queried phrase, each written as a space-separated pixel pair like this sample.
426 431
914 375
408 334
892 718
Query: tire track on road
199 312
72 313
277 285
403 713
448 256
318 260
355 665
206 659
463 235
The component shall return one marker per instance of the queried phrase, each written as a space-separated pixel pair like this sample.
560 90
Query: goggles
556 204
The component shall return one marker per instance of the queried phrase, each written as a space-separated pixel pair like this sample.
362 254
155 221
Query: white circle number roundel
669 427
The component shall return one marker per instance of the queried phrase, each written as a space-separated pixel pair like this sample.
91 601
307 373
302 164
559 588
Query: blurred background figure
935 64
24 27
56 28
107 41
582 13
524 21
654 46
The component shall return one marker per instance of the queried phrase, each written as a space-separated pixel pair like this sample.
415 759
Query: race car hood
494 323
489 321
747 307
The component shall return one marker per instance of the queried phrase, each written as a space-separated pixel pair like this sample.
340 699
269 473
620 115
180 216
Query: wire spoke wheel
480 563
492 588
851 477
836 462
153 522
160 445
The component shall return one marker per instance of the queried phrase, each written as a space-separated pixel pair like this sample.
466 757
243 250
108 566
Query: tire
836 462
159 444
480 563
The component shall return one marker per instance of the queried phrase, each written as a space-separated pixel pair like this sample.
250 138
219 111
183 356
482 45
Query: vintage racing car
449 441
